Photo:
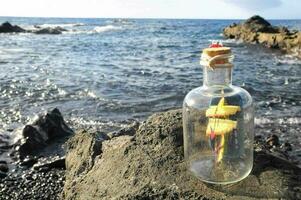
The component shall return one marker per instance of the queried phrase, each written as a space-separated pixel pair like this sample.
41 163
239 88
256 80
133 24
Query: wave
289 120
104 125
60 25
288 59
99 29
39 26
13 50
228 41
71 30
9 53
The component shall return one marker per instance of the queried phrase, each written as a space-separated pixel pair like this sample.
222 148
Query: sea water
105 72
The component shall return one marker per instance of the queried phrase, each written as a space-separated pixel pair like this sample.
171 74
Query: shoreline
94 86
32 172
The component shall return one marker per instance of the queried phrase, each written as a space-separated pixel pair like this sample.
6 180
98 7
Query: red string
215 45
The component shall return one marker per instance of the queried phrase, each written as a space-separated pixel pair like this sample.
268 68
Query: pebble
286 146
31 184
2 175
272 140
28 161
3 167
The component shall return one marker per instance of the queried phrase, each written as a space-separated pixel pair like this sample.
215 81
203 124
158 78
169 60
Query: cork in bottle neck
217 57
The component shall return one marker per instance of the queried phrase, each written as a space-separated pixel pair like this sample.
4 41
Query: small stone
2 174
28 161
258 137
3 167
58 162
272 140
286 146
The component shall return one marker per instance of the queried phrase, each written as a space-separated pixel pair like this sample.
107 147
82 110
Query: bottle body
218 123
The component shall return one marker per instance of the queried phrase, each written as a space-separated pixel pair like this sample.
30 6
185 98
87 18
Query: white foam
290 120
227 41
88 122
61 25
99 29
89 93
62 92
286 81
288 59
9 53
13 50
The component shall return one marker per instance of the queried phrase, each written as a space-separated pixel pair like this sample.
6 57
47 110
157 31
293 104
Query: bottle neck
217 77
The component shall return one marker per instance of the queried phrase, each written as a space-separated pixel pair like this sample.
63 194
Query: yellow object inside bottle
219 125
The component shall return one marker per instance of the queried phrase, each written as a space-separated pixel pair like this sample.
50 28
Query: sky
199 9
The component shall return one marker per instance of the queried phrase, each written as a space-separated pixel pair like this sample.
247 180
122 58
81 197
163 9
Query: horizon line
163 18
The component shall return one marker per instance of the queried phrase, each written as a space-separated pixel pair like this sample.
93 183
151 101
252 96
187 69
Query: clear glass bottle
218 122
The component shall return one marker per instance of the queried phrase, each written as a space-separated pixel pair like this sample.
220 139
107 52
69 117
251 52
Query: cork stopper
211 52
217 56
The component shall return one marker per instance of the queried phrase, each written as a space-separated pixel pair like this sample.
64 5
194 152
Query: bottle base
225 172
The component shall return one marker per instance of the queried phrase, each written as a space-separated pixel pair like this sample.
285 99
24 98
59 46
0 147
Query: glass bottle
218 122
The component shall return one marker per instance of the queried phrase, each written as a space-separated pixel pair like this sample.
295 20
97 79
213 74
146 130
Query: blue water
106 72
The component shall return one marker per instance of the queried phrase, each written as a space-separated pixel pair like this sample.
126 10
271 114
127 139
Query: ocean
108 72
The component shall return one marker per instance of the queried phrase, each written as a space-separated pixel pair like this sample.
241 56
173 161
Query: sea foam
61 25
99 29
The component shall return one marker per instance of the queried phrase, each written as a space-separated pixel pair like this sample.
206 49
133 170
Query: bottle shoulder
202 96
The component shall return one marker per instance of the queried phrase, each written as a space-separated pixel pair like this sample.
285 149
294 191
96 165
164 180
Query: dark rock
257 30
50 163
272 140
2 174
3 167
44 130
257 21
258 24
150 165
258 137
29 161
3 162
33 140
50 30
286 146
8 28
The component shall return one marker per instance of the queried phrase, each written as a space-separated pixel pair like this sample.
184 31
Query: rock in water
258 24
8 28
45 129
149 164
259 31
50 30
3 166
